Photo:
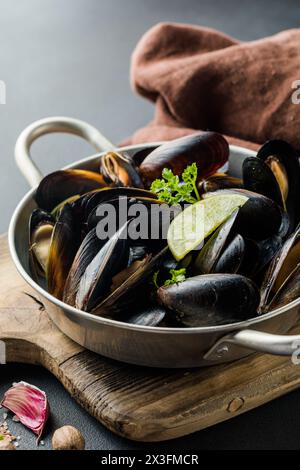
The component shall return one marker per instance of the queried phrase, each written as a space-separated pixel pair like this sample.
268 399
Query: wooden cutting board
135 402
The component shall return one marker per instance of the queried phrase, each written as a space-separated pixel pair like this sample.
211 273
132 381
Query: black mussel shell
211 251
289 291
219 181
151 219
211 299
41 226
88 202
66 239
283 160
259 218
97 278
209 150
60 185
129 292
283 265
87 251
259 178
120 170
232 257
152 315
119 203
139 156
253 260
267 249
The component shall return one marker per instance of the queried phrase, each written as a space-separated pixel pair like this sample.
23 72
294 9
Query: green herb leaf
155 279
1 437
177 275
171 190
189 176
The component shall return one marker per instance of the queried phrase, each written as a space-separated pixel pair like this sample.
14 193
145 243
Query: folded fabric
199 78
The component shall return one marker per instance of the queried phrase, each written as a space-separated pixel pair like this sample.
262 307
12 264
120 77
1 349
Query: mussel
289 291
41 226
88 203
119 169
88 249
281 281
65 241
259 178
259 218
211 299
208 150
219 181
208 256
129 292
151 315
63 184
276 174
227 250
231 260
97 277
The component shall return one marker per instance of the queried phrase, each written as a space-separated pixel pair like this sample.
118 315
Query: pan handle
46 126
280 345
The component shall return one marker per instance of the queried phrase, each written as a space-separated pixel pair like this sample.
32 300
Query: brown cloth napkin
199 78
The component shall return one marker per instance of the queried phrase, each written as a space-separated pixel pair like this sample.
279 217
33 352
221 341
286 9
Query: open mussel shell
283 161
65 241
119 204
211 299
227 251
289 291
129 292
120 170
41 226
259 218
151 219
63 184
259 178
90 201
267 249
209 150
97 278
87 251
219 181
210 253
280 274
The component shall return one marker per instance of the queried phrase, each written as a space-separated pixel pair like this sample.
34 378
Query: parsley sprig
177 275
172 190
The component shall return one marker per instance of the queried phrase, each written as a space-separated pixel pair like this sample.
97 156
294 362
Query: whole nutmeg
68 438
6 444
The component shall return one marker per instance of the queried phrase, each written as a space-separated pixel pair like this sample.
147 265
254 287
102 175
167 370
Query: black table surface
72 58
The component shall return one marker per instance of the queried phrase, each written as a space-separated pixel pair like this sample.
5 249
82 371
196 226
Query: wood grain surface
135 402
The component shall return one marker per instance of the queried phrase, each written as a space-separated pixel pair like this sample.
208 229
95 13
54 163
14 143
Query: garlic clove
29 404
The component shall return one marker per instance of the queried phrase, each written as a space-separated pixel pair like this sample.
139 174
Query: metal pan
147 346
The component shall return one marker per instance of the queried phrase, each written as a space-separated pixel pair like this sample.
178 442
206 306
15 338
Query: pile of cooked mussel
248 265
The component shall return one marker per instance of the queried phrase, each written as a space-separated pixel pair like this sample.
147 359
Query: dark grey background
72 58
